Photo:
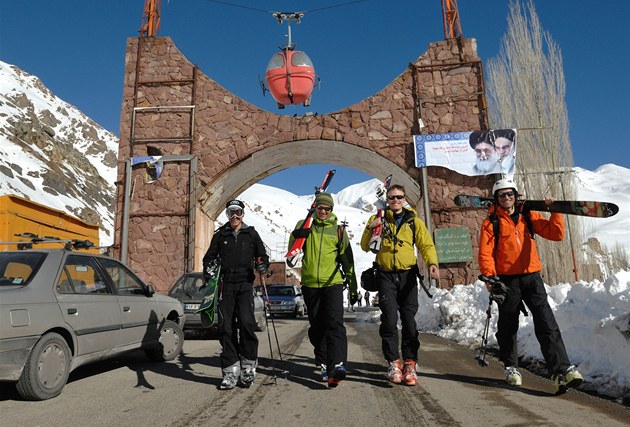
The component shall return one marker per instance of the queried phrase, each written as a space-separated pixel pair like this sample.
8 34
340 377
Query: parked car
60 309
285 299
187 290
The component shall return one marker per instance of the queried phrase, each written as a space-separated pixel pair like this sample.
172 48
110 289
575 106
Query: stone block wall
444 88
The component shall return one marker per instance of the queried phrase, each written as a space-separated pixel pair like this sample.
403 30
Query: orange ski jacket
515 251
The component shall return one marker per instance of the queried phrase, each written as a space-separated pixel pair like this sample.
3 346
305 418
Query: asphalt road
452 390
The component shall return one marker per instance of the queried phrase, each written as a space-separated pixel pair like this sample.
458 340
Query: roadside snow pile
594 319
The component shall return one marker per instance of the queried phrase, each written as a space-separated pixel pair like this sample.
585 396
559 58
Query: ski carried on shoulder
569 207
376 236
296 249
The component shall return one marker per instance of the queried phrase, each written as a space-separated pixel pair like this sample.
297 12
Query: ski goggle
234 213
506 194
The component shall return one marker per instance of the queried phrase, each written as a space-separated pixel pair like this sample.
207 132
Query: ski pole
268 309
481 355
273 362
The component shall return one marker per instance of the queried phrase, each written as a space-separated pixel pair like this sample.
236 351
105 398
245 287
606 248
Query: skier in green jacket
327 264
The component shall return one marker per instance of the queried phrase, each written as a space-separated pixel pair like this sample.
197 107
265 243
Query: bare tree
526 90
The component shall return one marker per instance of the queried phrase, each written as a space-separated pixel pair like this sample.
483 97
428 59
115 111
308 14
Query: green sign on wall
453 245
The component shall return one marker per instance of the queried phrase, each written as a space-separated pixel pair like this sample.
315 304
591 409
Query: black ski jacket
238 251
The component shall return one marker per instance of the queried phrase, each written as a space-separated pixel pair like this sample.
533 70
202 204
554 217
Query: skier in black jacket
240 250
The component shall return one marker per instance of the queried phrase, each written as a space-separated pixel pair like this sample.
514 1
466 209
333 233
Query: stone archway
170 108
283 156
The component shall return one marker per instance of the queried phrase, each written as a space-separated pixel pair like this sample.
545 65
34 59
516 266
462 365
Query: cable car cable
271 11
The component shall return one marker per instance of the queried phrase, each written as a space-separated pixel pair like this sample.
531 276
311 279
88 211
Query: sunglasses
324 208
506 194
396 196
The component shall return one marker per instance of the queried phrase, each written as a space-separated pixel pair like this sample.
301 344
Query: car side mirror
150 291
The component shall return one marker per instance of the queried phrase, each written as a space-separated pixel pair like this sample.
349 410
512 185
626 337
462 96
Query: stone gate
215 145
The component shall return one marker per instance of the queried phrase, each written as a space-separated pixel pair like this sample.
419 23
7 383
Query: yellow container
19 215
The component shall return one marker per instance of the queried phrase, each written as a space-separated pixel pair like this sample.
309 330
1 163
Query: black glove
499 292
353 299
261 267
301 232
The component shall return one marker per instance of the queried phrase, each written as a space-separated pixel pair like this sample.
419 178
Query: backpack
368 277
494 220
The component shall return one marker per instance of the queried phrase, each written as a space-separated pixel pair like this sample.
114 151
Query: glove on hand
301 232
261 267
207 274
499 292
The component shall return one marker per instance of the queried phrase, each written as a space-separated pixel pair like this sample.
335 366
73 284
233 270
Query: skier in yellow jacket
397 284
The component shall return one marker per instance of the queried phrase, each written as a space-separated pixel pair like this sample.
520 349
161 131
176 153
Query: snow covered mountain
53 154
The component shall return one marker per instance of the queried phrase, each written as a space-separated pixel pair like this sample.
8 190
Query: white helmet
502 184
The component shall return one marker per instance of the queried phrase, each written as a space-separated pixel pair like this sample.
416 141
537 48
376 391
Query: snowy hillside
275 212
609 183
52 153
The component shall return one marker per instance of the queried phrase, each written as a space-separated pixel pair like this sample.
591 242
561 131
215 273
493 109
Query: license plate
191 306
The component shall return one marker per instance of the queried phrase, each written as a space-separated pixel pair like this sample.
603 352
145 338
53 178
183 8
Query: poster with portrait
469 153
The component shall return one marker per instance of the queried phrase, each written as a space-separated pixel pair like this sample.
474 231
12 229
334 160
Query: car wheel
171 343
46 370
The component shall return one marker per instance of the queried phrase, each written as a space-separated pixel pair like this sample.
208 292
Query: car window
281 290
189 286
18 268
125 282
81 276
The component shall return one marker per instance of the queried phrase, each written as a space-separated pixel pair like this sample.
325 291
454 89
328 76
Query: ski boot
230 376
409 372
248 372
337 375
323 373
563 381
513 376
394 374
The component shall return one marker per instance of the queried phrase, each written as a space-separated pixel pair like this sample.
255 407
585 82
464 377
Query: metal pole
125 219
425 198
564 196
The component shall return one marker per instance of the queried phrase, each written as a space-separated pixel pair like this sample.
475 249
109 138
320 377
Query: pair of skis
375 238
570 207
377 232
293 255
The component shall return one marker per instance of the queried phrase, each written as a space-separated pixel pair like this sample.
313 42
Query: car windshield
18 268
188 285
281 290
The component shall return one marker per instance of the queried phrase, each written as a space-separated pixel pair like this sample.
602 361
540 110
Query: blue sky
77 48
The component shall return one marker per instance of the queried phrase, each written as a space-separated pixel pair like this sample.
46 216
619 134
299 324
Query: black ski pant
236 332
326 333
398 293
530 289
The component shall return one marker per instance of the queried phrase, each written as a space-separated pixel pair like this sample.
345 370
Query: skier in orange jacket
512 256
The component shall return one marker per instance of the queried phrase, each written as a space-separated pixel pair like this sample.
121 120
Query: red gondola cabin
290 77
